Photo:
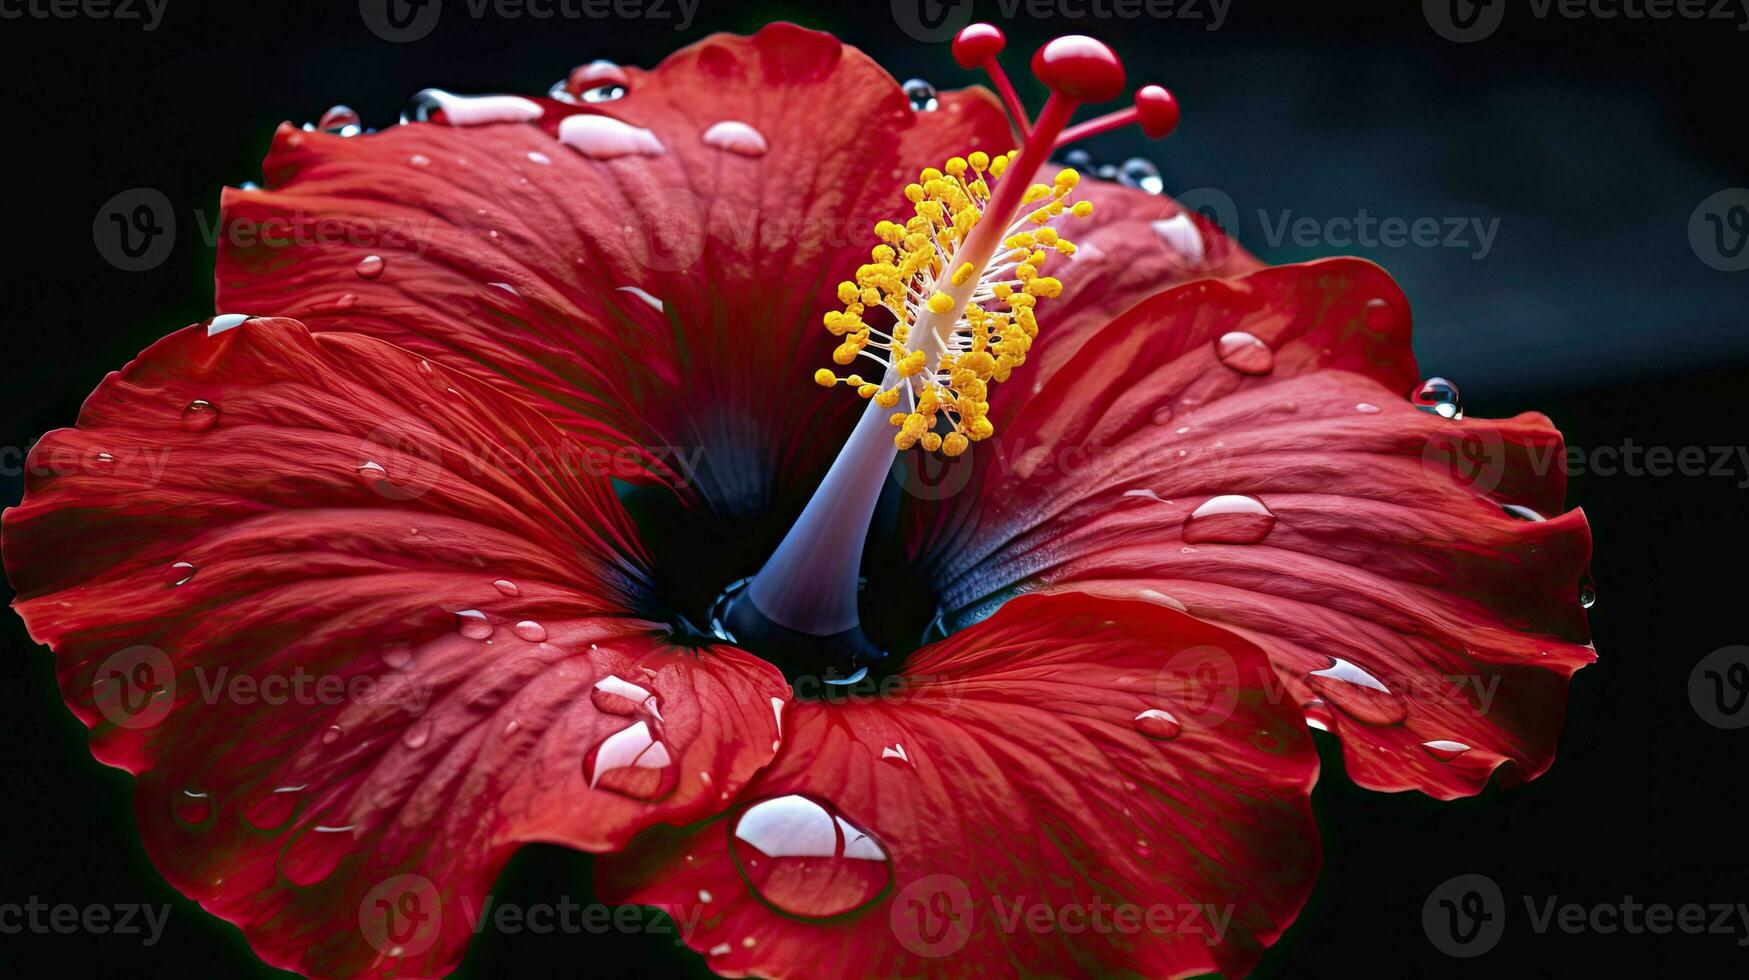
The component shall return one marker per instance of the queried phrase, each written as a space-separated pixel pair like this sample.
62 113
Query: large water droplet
632 761
225 321
179 574
605 138
1244 353
199 415
1522 512
804 859
1440 397
507 587
369 267
469 110
1358 693
922 95
1230 518
1318 715
473 624
1158 723
1141 173
530 630
341 121
736 137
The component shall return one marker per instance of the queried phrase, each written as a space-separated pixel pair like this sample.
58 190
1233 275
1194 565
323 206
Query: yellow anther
888 398
1045 286
1036 192
825 378
953 444
1067 178
930 441
979 160
867 390
962 275
941 302
1082 209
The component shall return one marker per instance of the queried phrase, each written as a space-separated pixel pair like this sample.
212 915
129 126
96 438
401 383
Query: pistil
962 280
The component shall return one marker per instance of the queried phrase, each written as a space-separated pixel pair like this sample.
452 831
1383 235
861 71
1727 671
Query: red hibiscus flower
444 552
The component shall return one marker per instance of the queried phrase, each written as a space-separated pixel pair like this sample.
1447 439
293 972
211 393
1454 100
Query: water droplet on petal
1244 353
179 573
1587 592
1158 723
1440 397
469 110
1141 173
346 301
193 808
605 138
225 321
315 853
272 811
1318 715
633 762
1522 512
530 630
611 92
895 752
1161 415
332 734
507 587
1367 408
417 734
1230 518
617 696
419 160
397 656
369 267
536 156
804 859
341 121
1445 749
473 624
199 415
1181 235
1357 693
736 137
921 95
1079 159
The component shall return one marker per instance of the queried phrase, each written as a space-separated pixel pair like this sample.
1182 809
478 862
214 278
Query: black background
1591 140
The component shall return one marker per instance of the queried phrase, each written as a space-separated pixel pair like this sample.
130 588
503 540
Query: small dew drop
179 574
417 734
530 630
1367 408
340 121
1440 397
397 656
1244 353
473 624
1159 724
921 95
1141 174
1358 693
369 267
1444 749
507 587
199 415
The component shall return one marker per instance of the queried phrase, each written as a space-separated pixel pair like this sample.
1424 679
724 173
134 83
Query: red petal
346 622
1381 542
511 255
1025 777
